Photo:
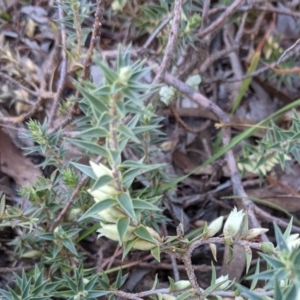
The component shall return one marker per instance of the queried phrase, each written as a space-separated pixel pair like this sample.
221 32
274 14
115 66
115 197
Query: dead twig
267 217
171 42
221 19
226 136
10 79
184 125
72 199
88 60
63 69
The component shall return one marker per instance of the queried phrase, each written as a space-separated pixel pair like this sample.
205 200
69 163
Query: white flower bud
168 297
253 233
293 241
125 74
73 213
233 223
141 244
214 227
111 214
33 254
111 232
103 193
101 170
181 285
224 285
267 247
154 234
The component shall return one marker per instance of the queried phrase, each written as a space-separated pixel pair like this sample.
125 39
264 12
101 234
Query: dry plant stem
205 10
216 56
157 31
113 142
257 25
63 70
72 199
164 266
238 189
94 39
218 240
176 275
88 60
184 125
270 9
221 19
187 260
8 78
240 32
16 269
294 51
267 217
287 50
171 42
138 296
77 29
223 294
41 95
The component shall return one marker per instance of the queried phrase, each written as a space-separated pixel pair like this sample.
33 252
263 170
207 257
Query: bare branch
213 26
171 42
63 69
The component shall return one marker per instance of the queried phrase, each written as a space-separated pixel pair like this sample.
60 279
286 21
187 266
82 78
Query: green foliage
276 147
119 197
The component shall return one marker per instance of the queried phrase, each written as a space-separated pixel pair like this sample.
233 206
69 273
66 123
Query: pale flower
233 223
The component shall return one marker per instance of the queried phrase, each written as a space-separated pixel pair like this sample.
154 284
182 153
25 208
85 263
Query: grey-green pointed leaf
126 204
96 208
122 226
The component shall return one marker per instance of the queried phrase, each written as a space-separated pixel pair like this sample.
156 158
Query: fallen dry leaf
14 164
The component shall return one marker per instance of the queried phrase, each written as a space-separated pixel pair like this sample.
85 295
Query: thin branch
94 39
221 19
171 42
88 60
72 199
184 125
16 269
216 56
63 69
226 136
187 260
23 117
205 10
29 91
290 54
160 27
270 9
287 50
269 218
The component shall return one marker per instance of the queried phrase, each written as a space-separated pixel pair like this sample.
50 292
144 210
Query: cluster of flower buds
110 216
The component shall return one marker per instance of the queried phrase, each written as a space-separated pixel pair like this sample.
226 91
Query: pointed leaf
122 226
96 208
281 244
144 234
126 204
248 254
127 132
102 181
142 204
127 247
156 253
213 250
69 245
90 147
87 170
